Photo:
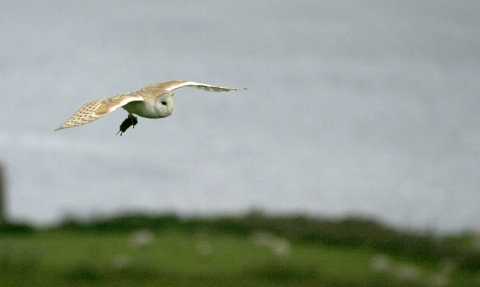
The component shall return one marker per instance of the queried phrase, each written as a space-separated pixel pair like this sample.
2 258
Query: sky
353 108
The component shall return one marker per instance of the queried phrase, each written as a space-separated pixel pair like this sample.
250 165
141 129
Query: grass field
202 258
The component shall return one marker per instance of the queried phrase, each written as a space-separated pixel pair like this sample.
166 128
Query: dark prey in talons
131 120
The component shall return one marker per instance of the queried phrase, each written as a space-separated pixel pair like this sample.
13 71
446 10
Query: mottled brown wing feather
96 109
172 85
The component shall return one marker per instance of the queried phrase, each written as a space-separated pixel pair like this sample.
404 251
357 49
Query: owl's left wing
172 85
96 109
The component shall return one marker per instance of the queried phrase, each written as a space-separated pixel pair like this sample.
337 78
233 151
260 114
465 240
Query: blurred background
353 108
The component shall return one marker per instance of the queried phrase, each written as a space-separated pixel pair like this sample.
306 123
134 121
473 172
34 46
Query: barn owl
153 101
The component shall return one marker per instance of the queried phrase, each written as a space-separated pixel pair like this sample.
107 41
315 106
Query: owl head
165 104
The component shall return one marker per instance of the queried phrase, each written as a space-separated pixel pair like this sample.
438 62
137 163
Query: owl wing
172 85
94 110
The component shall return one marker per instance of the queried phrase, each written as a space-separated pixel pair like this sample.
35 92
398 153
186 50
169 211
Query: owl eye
164 103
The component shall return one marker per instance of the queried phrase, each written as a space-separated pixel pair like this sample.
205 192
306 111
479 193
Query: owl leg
131 120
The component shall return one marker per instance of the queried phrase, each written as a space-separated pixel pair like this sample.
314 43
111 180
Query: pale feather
96 109
172 85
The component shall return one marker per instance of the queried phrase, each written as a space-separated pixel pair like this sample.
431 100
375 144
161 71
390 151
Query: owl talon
131 120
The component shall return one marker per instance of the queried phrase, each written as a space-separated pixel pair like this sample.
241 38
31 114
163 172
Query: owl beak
171 107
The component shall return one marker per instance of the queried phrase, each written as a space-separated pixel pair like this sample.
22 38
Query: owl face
165 105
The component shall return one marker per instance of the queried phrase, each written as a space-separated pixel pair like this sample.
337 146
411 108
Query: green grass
176 251
67 258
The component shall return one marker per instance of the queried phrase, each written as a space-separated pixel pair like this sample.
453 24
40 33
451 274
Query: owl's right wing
94 110
172 85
